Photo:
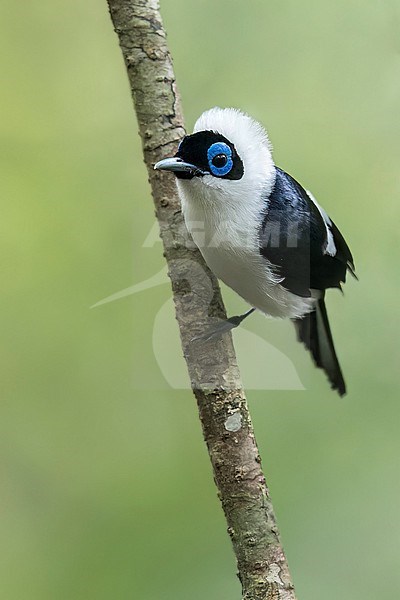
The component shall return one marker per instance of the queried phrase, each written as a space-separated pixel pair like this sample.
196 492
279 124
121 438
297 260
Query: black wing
293 237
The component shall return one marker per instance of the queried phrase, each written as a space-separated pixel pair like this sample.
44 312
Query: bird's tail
314 332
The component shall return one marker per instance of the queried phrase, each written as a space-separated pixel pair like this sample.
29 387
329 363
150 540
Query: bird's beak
177 165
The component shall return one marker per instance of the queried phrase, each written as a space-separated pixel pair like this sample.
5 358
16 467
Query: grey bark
215 379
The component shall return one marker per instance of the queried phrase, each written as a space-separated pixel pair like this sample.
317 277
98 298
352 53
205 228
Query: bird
259 230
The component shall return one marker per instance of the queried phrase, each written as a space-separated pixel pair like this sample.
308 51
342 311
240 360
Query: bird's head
227 155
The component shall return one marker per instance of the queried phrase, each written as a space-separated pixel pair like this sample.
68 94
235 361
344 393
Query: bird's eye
219 157
219 161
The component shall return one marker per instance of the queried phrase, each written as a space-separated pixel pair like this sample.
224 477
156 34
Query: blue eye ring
220 148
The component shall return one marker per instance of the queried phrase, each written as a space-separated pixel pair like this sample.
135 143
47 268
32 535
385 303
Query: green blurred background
106 488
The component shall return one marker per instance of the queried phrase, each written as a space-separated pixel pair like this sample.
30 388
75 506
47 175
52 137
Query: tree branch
226 422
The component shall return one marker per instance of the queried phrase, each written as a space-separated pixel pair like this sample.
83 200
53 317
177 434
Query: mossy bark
225 418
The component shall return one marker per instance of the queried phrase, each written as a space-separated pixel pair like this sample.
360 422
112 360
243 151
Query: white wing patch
330 244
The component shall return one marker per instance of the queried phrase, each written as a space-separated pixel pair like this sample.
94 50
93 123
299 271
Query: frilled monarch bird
264 235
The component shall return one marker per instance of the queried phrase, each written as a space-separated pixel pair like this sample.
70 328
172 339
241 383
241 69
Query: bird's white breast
226 230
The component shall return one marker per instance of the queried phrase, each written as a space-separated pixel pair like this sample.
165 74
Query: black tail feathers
314 332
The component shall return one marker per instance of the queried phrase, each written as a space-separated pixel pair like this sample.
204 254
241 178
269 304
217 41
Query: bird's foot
222 327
